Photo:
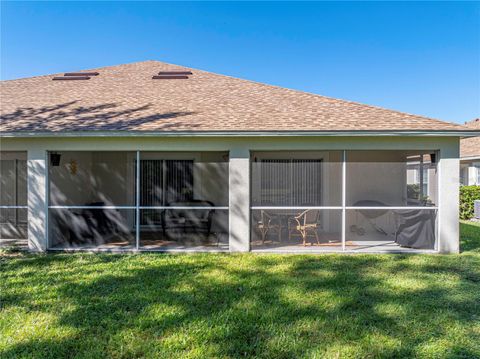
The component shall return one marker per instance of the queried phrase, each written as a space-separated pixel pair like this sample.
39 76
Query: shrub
413 191
468 194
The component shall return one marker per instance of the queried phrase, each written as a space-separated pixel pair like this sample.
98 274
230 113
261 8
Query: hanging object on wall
55 159
73 167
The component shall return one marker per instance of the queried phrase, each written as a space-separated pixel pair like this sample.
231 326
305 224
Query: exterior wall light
55 159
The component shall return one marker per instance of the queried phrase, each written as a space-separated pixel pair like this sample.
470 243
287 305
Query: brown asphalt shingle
125 98
470 147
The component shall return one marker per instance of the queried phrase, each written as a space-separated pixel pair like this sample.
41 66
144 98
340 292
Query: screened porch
344 200
138 200
304 201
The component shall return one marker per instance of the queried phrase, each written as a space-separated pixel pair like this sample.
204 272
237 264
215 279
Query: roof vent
169 77
175 73
81 74
68 76
172 75
71 78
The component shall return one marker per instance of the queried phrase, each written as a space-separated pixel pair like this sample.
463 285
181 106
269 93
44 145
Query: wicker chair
304 225
269 223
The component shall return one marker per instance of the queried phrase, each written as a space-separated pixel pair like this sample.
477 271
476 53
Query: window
464 175
424 181
421 179
477 167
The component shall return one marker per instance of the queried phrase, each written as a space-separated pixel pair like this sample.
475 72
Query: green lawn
220 305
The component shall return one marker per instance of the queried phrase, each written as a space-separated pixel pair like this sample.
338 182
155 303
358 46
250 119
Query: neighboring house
152 156
470 157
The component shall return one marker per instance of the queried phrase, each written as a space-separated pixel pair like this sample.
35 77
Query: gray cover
417 229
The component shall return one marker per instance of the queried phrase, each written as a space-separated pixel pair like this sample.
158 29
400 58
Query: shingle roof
125 98
470 147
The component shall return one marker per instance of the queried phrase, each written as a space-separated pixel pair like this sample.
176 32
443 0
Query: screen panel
281 179
169 179
294 229
91 228
391 178
13 194
92 178
391 228
188 228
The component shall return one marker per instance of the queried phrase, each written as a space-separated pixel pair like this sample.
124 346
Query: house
153 156
470 157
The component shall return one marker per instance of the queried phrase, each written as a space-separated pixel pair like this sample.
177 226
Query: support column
449 198
37 200
239 200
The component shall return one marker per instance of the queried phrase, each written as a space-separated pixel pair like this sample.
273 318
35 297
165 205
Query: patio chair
269 223
92 225
80 227
305 224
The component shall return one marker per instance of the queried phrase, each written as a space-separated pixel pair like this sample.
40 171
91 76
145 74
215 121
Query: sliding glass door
163 182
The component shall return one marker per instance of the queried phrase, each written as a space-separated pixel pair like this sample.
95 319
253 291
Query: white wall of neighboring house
429 179
470 172
470 156
474 174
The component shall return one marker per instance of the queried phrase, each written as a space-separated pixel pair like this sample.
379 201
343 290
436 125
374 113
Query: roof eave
421 133
469 158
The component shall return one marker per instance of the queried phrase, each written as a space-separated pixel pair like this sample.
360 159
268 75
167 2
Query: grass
245 305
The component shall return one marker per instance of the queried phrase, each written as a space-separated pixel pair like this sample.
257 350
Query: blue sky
421 58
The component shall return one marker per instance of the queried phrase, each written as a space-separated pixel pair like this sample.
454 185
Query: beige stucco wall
241 147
